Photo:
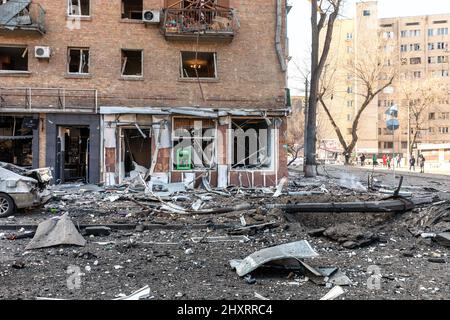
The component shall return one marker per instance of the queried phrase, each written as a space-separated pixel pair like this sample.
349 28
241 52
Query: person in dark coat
412 163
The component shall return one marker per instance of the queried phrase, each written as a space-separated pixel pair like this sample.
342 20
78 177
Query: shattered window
78 60
79 8
132 63
198 64
132 9
252 146
13 59
193 144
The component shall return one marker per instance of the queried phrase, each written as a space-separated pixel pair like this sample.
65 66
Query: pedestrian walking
374 160
422 163
389 160
384 160
412 163
399 161
363 160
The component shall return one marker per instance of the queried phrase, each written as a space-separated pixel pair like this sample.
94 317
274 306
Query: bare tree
373 74
417 97
296 130
323 14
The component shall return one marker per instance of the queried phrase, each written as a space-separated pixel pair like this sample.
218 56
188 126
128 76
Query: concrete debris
97 231
164 232
54 232
334 293
351 236
280 187
443 238
141 294
260 297
220 239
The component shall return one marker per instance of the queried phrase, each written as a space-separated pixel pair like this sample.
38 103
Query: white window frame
123 67
274 147
81 57
70 9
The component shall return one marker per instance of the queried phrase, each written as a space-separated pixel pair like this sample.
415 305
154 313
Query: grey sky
299 30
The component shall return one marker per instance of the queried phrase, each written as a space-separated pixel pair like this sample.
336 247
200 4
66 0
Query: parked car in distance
22 188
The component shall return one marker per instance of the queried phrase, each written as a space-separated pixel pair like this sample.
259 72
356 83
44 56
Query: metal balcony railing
23 16
45 100
188 24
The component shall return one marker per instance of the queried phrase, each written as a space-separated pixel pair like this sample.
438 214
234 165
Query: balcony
48 100
22 17
212 24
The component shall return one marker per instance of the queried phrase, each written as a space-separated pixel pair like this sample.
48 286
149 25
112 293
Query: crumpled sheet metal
294 250
10 10
54 232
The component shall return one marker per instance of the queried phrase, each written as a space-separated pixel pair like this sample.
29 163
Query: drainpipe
278 46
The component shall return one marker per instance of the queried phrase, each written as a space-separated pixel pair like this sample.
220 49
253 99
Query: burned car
22 188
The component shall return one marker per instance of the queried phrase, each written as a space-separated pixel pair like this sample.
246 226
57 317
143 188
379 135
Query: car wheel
6 205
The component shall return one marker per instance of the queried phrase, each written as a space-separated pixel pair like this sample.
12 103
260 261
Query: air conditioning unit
42 52
151 16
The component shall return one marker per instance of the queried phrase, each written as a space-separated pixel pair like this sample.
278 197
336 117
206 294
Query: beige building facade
414 49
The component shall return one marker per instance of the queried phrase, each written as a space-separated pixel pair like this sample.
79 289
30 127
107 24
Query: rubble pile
308 238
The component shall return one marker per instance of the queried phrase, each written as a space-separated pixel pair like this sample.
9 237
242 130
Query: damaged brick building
100 90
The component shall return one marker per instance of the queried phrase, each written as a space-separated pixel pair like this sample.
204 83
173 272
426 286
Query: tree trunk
317 65
310 147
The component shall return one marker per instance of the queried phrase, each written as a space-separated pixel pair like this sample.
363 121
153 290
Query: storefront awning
15 137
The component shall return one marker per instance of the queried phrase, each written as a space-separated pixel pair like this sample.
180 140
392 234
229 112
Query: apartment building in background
100 90
415 49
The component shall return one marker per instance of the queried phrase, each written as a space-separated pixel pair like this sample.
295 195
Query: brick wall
248 69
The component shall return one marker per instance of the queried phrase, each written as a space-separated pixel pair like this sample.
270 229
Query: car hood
8 175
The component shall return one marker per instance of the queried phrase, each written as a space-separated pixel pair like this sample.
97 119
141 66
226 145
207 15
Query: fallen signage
289 251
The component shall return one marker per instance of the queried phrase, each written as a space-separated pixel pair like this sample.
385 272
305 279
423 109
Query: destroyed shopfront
228 147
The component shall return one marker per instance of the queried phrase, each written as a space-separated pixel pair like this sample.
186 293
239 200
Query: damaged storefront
19 140
222 146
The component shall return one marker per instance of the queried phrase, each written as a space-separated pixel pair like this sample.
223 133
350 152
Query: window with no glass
79 8
198 65
132 63
78 60
132 9
13 59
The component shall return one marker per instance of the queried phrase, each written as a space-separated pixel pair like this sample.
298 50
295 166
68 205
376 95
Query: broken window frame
70 9
175 138
123 147
81 65
183 74
10 71
122 66
272 146
122 3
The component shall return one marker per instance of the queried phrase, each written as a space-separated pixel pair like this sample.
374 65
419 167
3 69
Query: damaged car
22 188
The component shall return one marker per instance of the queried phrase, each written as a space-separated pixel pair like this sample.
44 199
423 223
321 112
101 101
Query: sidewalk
435 174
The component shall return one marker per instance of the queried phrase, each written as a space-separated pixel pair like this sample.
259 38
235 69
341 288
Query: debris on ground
182 240
55 232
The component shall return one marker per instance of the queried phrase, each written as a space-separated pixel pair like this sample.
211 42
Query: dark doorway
137 149
72 154
16 140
